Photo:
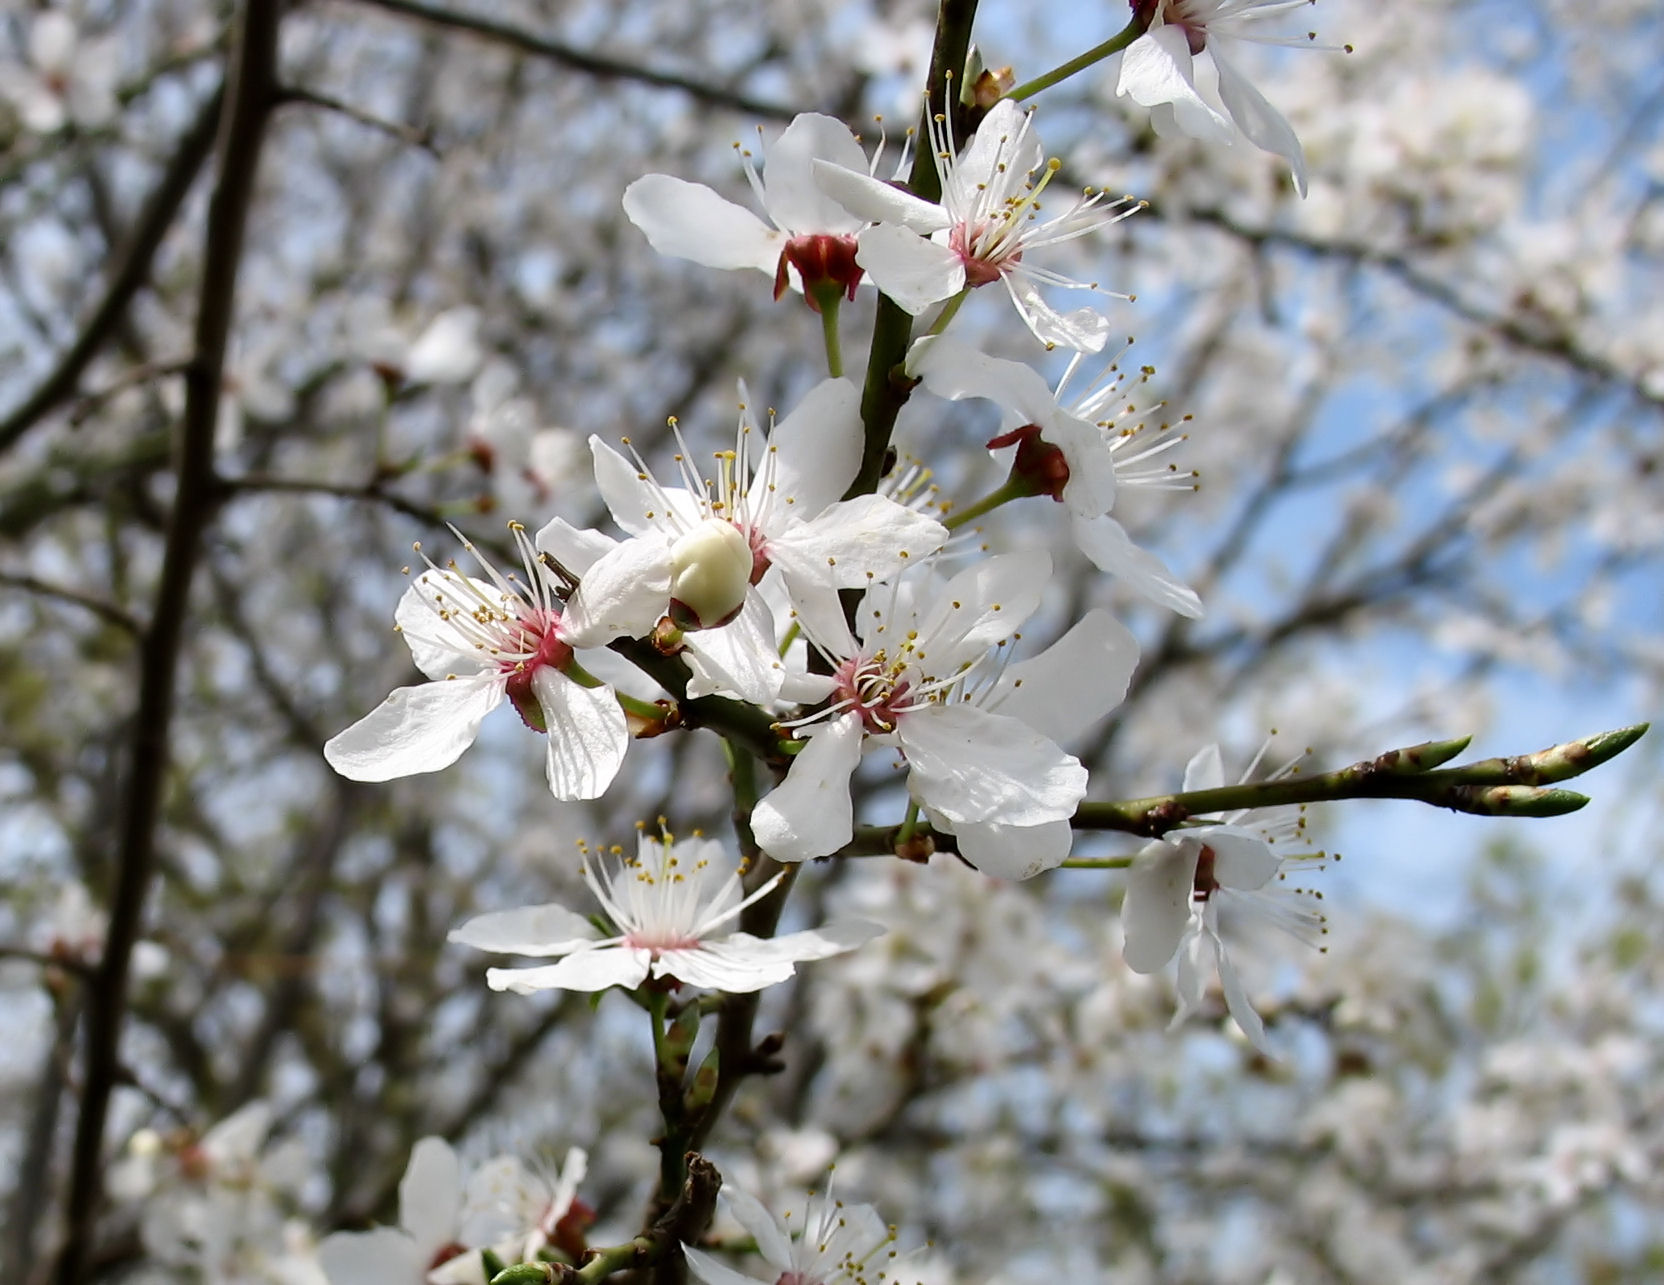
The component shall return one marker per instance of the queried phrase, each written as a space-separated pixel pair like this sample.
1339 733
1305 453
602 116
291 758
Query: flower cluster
796 574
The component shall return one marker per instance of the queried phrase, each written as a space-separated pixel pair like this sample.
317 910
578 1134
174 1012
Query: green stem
829 332
1114 45
1518 785
1010 490
950 310
910 823
1097 863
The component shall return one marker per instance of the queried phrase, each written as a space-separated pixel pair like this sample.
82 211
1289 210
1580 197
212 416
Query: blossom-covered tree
915 939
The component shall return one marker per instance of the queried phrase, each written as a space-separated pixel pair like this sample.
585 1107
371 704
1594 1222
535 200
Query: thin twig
404 133
100 607
132 269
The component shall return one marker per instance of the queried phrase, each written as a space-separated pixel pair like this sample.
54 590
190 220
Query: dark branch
586 61
250 95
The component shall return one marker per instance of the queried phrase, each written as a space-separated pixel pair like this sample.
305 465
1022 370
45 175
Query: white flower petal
773 1241
587 735
434 645
740 659
911 270
1237 1002
576 550
723 965
809 814
711 1272
879 202
816 451
1111 550
689 221
594 969
416 729
1206 769
628 492
954 369
855 542
981 607
1263 124
971 765
1015 851
1156 908
527 930
1241 859
1074 682
1156 71
623 594
430 1195
790 194
370 1257
1084 329
995 150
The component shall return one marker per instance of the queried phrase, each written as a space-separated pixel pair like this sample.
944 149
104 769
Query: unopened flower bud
826 264
710 571
1040 468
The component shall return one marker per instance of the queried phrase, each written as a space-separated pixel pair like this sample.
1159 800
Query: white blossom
812 237
1175 886
481 642
985 229
979 736
839 1244
1100 450
1158 71
671 907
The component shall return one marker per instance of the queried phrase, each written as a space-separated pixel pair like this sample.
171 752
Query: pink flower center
539 635
865 688
981 266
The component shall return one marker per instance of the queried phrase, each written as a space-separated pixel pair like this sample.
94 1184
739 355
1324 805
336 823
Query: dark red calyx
826 264
1040 468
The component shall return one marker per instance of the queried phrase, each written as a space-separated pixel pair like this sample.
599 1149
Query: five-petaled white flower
672 906
979 736
482 642
985 229
1076 448
1175 886
773 506
838 1245
1158 72
811 244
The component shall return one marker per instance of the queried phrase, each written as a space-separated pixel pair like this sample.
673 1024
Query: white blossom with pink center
506 637
985 228
929 676
671 906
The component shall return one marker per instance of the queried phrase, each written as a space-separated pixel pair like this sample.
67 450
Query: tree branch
592 64
250 95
